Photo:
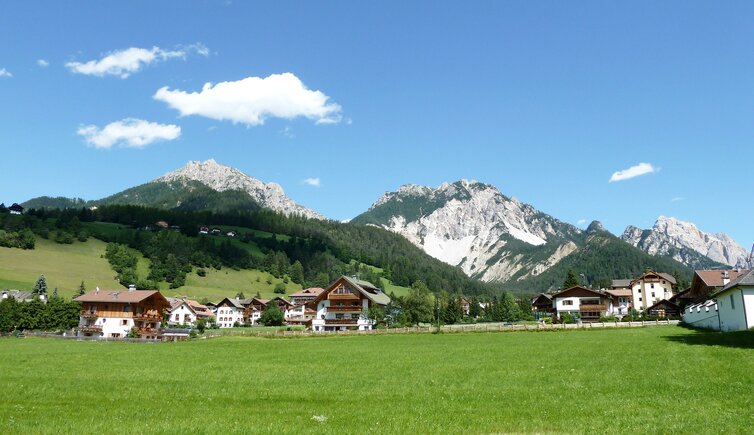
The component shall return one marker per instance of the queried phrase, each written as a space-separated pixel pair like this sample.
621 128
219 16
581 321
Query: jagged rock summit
223 178
474 226
684 242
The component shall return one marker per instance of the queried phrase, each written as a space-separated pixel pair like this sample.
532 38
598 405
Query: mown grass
64 266
644 380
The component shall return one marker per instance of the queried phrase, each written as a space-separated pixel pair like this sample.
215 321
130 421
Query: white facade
182 315
572 304
703 315
112 327
736 309
326 320
645 294
226 316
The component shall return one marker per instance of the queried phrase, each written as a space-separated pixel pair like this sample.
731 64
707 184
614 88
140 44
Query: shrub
193 334
280 288
201 272
567 318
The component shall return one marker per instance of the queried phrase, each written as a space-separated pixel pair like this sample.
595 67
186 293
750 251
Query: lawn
658 379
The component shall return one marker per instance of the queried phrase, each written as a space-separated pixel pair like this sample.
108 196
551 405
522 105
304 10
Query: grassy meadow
643 380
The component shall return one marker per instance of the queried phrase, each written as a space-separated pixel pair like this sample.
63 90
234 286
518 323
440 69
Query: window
653 294
732 302
652 285
176 317
126 309
639 298
124 322
338 316
567 302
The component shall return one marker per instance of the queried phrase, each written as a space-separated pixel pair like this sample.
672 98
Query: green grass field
644 380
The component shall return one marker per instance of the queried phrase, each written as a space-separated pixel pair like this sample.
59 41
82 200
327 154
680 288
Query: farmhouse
229 312
706 282
306 295
186 311
542 304
465 305
583 303
114 313
341 305
254 307
735 303
621 300
649 288
664 309
21 296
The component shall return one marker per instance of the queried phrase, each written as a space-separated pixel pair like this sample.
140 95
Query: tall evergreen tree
571 280
82 288
40 287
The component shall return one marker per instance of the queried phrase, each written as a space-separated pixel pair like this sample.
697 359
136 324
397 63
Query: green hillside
66 265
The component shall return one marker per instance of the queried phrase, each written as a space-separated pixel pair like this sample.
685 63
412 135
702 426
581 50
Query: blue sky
545 100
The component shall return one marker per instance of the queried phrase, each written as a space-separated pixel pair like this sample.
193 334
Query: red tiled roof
132 296
714 278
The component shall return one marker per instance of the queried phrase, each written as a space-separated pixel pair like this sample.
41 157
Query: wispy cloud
287 132
128 133
5 73
677 199
123 63
42 63
633 171
252 100
312 181
581 221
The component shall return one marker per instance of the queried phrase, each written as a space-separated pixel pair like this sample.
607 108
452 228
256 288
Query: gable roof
548 298
578 291
621 283
365 288
313 291
714 278
232 301
621 292
19 295
124 296
666 276
666 303
746 279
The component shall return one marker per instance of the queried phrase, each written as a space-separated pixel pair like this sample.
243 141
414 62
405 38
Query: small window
639 298
653 294
125 322
732 302
652 285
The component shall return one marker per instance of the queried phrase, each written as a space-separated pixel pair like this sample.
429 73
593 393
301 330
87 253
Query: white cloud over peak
581 222
5 73
128 133
633 171
123 63
252 100
42 63
312 181
677 199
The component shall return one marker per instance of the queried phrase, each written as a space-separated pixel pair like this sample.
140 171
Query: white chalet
583 303
735 303
229 311
186 311
341 306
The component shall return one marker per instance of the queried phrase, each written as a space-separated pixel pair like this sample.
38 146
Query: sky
617 112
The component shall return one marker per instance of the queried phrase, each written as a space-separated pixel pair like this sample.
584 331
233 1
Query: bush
567 318
279 288
201 325
193 334
201 272
610 318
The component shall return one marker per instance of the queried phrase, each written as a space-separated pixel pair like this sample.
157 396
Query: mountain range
472 225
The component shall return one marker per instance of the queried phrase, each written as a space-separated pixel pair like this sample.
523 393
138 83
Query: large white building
651 288
342 305
229 312
115 313
735 303
186 311
582 303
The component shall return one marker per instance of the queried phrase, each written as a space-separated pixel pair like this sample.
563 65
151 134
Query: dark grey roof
377 297
19 295
622 283
745 279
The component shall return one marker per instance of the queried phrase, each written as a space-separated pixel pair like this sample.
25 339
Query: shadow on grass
706 337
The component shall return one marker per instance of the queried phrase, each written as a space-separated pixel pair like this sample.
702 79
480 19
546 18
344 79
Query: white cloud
123 63
312 181
252 100
42 63
287 132
633 171
677 199
5 73
581 221
128 133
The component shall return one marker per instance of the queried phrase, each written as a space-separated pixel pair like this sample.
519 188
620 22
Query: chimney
131 287
96 291
726 277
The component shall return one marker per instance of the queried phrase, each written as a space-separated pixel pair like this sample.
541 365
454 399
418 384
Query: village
717 299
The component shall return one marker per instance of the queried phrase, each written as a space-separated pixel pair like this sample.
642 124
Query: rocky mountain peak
595 226
221 178
676 238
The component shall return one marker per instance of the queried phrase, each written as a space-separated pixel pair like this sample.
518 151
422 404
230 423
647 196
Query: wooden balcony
145 317
90 329
149 331
341 321
345 309
89 314
593 307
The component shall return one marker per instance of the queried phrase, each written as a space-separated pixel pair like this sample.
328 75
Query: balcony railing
345 308
150 331
341 321
89 314
593 307
144 317
90 328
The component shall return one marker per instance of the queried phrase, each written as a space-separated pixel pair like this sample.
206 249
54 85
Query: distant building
229 312
664 309
706 282
621 301
651 287
583 303
114 313
20 296
231 234
203 230
341 305
542 304
16 209
187 312
306 295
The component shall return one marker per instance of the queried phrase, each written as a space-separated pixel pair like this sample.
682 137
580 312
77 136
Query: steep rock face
224 178
684 242
474 226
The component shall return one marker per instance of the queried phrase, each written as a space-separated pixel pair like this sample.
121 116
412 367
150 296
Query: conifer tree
82 288
40 287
